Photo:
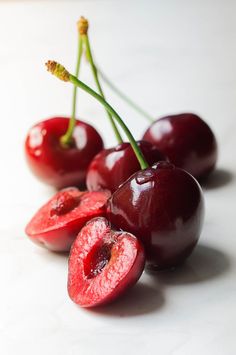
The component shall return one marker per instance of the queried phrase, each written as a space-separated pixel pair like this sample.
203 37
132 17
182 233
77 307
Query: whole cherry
57 223
165 211
103 264
58 164
187 141
111 167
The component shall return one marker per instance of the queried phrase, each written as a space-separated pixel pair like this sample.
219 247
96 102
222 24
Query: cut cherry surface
163 207
103 264
57 223
187 141
56 164
111 167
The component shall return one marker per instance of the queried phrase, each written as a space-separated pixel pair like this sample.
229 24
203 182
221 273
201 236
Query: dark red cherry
55 164
58 222
162 206
187 141
111 167
103 264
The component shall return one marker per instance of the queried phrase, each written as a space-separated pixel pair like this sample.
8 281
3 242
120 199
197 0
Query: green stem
124 97
95 74
137 151
66 139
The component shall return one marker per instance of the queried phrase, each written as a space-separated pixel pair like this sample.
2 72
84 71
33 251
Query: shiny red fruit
111 167
103 264
54 164
162 206
187 141
57 223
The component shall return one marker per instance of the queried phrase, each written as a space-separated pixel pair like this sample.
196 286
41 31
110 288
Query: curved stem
67 137
94 71
124 97
137 151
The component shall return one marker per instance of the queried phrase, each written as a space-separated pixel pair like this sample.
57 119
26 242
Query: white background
170 56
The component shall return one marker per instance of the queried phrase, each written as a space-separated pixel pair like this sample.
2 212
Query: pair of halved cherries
156 214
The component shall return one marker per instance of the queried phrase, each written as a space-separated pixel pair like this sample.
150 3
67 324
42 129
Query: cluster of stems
84 45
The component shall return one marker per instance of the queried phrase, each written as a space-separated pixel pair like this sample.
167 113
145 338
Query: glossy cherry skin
54 164
111 167
187 141
162 206
56 224
103 264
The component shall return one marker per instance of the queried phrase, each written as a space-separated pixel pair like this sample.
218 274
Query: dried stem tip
83 26
58 70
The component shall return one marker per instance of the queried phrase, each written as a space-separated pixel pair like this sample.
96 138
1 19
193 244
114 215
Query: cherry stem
95 74
59 71
66 139
124 96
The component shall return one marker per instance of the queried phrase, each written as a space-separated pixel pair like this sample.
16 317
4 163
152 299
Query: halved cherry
57 223
103 263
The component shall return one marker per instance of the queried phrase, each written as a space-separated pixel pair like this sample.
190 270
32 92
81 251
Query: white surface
170 56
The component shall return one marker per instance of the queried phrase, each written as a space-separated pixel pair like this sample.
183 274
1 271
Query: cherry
57 223
165 211
111 167
187 141
103 264
56 164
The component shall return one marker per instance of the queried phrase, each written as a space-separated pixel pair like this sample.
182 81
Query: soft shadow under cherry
218 178
141 299
204 264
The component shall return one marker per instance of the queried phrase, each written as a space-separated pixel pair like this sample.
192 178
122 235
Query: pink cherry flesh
103 264
111 167
55 164
187 141
57 223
